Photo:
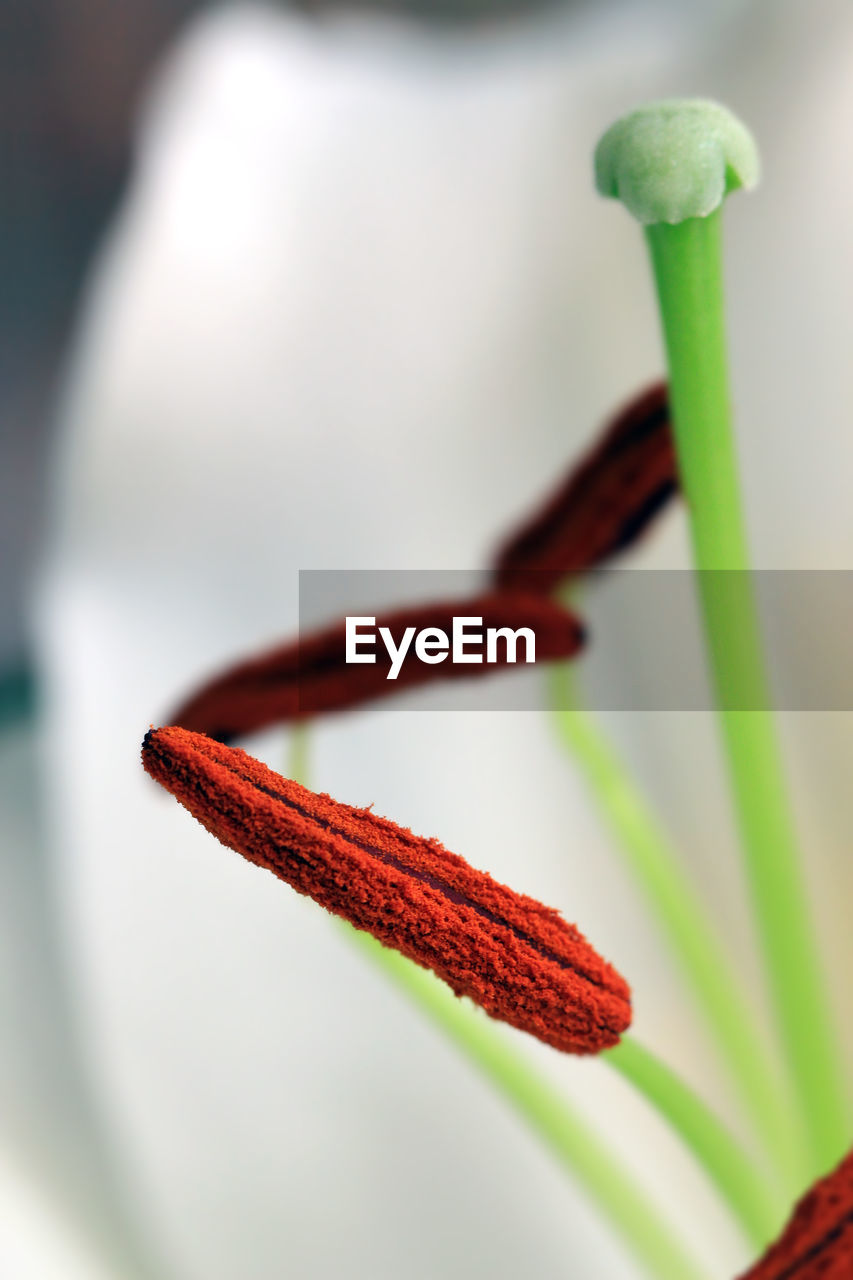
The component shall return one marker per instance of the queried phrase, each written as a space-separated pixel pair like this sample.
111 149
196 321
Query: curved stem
741 1184
578 1149
687 261
580 1152
298 747
691 935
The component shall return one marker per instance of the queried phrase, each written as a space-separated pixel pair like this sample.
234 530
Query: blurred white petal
361 306
36 1242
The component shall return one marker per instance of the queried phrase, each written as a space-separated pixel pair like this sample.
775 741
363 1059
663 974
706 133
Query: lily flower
351 275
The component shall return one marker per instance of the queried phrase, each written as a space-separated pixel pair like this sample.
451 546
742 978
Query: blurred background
327 286
71 82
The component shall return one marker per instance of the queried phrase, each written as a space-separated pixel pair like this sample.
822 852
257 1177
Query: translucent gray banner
643 647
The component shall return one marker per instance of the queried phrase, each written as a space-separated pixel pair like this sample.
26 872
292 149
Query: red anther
817 1243
309 676
515 957
605 504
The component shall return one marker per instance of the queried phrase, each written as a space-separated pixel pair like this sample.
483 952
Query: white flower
361 306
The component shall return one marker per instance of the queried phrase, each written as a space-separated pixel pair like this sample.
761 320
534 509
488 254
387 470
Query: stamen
515 957
309 676
817 1243
603 507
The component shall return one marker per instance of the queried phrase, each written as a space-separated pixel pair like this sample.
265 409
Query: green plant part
619 1197
695 942
729 1166
675 159
673 163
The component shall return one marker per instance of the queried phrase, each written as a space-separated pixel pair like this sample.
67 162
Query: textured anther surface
817 1243
308 675
515 957
605 504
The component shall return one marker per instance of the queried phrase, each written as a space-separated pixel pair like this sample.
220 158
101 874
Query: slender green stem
742 1185
691 935
580 1152
687 261
298 747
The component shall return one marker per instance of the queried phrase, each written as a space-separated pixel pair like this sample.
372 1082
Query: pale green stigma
675 159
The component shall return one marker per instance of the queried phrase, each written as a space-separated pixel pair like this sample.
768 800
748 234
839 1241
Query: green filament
687 261
692 937
742 1185
578 1149
581 1153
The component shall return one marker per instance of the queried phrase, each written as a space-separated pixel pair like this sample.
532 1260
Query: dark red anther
515 957
817 1243
605 504
309 676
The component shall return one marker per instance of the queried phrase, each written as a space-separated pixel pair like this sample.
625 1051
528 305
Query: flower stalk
692 937
579 1150
678 161
742 1185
